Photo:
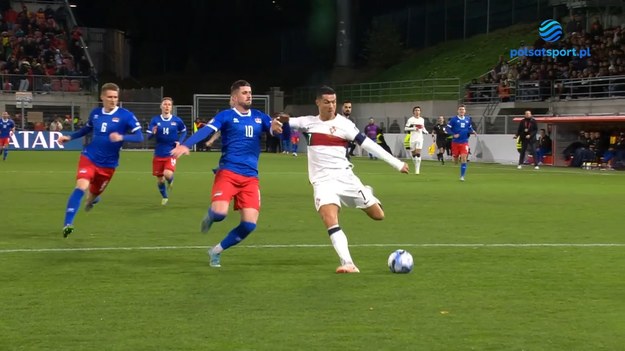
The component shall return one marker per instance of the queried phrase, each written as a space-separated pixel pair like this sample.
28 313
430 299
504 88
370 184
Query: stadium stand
37 46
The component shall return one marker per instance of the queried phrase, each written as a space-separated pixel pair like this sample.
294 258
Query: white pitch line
278 246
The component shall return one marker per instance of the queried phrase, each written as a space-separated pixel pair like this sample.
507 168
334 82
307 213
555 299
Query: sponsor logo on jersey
115 119
258 120
235 120
173 123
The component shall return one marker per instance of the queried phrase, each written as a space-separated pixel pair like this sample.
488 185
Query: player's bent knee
217 216
82 184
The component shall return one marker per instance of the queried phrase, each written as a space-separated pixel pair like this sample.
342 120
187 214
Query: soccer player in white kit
330 172
416 126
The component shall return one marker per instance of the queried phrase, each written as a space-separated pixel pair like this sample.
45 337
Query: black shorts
441 143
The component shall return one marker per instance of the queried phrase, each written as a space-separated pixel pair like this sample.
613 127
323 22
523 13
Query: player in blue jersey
169 131
460 127
237 174
7 128
110 126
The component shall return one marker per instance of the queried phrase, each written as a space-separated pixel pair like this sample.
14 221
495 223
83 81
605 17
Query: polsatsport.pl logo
550 31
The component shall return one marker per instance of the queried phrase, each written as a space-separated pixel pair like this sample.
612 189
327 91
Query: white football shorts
348 191
416 144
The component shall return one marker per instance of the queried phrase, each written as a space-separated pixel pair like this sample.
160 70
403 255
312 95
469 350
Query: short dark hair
325 90
461 105
238 84
416 107
348 101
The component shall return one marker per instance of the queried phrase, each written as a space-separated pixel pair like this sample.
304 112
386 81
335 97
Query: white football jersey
416 126
327 143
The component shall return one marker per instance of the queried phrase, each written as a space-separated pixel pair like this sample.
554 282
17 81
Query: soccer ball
400 261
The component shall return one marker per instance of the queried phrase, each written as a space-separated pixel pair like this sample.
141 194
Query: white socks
339 241
417 164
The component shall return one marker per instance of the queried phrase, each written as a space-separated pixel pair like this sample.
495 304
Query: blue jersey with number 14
166 133
240 139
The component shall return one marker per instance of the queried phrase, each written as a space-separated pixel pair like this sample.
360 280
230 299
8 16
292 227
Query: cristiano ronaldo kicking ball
400 261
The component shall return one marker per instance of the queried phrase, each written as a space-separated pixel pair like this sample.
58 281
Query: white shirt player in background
416 126
330 172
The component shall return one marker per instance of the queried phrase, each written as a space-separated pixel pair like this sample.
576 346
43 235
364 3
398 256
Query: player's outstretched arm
375 149
63 139
201 134
78 134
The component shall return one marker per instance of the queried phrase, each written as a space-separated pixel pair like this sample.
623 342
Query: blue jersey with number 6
240 139
101 150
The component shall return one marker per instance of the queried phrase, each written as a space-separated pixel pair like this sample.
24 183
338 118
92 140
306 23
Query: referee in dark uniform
440 137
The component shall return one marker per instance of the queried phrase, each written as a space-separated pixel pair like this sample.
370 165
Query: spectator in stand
615 155
10 17
49 12
56 125
394 127
544 146
503 90
574 25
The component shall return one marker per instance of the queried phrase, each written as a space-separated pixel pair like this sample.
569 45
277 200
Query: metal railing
540 90
47 84
393 91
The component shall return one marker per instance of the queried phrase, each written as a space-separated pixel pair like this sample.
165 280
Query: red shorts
245 190
459 149
160 164
4 141
99 177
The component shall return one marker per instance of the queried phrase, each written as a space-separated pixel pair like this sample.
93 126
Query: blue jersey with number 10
240 139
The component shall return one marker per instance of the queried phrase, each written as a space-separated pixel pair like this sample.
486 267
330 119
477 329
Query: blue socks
162 189
237 234
73 204
5 153
463 169
169 181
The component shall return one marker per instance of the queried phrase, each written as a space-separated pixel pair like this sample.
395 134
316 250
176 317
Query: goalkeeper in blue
169 131
111 126
236 177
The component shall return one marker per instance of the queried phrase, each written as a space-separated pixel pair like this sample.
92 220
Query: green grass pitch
508 260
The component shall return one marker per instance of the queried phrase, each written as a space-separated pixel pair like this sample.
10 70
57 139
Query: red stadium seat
56 84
